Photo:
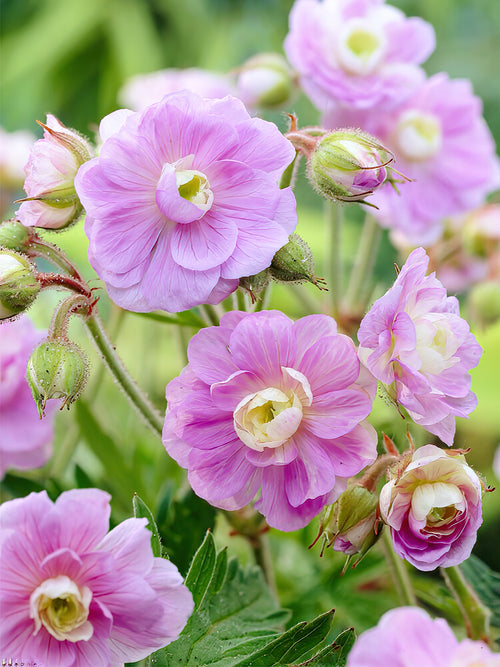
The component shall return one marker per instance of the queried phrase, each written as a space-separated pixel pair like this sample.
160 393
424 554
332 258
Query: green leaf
141 510
334 655
486 583
237 622
293 644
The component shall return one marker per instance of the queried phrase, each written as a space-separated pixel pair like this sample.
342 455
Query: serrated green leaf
334 655
293 644
486 583
142 511
235 613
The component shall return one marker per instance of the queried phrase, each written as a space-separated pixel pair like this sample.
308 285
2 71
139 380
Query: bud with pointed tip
348 165
254 285
56 369
266 81
294 262
54 161
19 286
350 524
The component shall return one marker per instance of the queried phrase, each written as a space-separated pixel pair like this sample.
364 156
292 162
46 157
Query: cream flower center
436 503
62 608
194 186
418 135
360 47
436 344
268 418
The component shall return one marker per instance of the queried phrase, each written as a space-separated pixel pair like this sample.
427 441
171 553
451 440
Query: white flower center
437 503
436 344
62 608
194 186
268 418
360 47
418 135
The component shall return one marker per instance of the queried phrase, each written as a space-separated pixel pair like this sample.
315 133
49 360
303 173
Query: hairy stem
475 614
398 571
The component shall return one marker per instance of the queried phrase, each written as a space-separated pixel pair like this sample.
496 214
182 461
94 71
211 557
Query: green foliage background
70 57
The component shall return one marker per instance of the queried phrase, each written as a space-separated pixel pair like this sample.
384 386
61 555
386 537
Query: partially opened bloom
433 508
74 595
142 90
441 141
269 404
25 441
358 54
50 172
183 201
414 341
408 636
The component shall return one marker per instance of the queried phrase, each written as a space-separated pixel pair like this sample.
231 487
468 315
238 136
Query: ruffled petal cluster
74 595
410 631
441 141
415 342
269 404
433 509
356 53
25 441
183 201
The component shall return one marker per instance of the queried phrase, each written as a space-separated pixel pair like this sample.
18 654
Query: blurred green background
70 58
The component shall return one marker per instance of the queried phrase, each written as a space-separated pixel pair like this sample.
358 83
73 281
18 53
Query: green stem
54 255
121 374
364 262
210 314
334 219
398 571
76 303
475 614
263 558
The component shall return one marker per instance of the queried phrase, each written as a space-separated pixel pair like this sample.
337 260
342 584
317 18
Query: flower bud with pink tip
54 161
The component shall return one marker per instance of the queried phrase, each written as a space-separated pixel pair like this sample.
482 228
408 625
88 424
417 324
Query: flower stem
334 219
475 614
398 571
54 255
364 262
121 374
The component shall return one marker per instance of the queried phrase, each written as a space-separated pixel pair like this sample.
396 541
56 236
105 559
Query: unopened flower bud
266 81
349 525
56 369
348 165
484 302
18 284
14 235
54 161
294 262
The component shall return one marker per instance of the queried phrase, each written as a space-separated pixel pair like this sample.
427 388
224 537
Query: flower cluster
356 54
25 442
183 201
74 595
433 508
414 341
410 631
269 404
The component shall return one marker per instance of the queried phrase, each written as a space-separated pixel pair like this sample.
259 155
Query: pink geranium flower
409 636
183 201
25 441
414 341
356 53
433 508
73 595
269 404
440 140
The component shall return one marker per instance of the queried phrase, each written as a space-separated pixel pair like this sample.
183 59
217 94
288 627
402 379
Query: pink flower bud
266 81
433 508
54 161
